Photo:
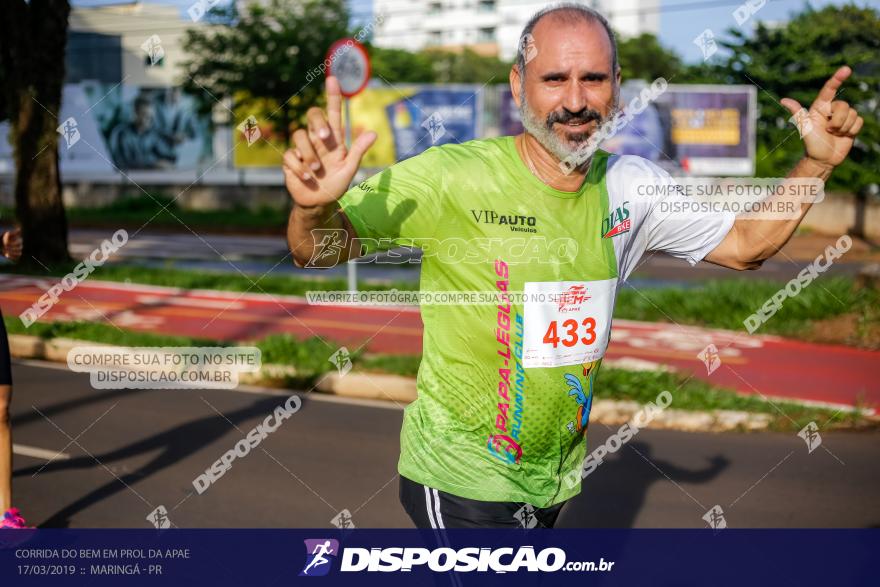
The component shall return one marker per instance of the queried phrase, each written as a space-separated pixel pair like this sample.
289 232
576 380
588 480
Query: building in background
105 43
128 117
489 27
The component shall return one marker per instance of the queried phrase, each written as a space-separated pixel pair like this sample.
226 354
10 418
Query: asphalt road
128 452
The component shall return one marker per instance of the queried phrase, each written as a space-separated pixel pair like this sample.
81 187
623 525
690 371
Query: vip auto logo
320 553
571 299
617 222
516 222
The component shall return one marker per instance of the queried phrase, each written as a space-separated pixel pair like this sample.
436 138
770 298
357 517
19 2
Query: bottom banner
438 557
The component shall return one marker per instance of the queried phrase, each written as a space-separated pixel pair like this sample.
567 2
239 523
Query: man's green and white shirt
505 389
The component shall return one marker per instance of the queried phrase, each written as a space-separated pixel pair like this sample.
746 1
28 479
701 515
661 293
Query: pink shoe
12 520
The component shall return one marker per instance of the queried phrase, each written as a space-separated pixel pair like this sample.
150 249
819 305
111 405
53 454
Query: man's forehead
565 43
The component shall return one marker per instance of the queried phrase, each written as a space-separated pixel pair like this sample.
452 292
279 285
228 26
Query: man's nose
575 98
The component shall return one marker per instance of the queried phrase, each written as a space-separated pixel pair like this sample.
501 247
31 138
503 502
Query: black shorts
5 362
430 508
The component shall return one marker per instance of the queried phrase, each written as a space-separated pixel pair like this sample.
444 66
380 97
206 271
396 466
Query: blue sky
678 28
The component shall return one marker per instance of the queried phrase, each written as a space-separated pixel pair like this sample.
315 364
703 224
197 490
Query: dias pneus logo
617 222
320 553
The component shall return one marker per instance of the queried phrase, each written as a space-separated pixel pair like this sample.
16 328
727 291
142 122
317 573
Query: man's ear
617 76
515 84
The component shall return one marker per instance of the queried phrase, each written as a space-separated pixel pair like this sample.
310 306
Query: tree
467 66
437 66
33 36
397 66
794 61
264 51
643 57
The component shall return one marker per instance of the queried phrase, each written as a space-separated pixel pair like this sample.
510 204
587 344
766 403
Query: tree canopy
269 52
794 61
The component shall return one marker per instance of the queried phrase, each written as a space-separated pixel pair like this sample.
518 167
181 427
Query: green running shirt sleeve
398 206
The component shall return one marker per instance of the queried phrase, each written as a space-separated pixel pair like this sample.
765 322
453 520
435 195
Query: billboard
411 118
698 130
266 147
105 128
408 119
694 129
150 128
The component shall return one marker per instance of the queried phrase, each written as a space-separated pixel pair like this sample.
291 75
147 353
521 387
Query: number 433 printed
566 322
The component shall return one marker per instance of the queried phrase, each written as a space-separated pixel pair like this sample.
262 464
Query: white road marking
39 453
195 302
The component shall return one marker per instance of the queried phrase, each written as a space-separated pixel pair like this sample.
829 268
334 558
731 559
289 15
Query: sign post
350 64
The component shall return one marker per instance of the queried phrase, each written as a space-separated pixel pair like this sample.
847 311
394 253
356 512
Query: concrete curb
618 412
395 388
402 390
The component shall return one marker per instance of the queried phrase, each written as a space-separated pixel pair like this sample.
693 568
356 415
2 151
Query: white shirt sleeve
689 235
639 187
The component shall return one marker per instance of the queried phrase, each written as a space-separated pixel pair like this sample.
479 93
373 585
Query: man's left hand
830 126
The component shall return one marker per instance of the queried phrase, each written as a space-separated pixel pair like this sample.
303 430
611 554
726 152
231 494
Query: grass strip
161 211
310 358
727 303
168 276
689 393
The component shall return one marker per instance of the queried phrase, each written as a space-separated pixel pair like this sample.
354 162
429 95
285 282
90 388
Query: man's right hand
319 170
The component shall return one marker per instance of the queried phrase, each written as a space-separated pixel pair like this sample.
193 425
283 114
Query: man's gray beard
560 148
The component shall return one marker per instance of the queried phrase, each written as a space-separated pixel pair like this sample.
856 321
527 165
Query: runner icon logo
159 518
711 358
526 516
320 553
715 518
343 520
810 434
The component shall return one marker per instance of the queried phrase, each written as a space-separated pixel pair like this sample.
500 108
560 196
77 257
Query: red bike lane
753 364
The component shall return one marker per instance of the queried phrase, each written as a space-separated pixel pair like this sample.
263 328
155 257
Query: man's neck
546 167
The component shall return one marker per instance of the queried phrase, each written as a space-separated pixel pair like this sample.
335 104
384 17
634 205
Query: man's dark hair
569 13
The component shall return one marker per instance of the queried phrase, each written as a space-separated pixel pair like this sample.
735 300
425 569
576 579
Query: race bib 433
566 322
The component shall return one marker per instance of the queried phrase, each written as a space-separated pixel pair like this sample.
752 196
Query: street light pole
351 266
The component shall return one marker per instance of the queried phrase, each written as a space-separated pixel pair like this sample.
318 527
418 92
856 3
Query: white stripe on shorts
428 506
437 509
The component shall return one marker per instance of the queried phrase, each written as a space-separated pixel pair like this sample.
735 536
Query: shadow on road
175 444
613 495
72 404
